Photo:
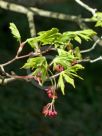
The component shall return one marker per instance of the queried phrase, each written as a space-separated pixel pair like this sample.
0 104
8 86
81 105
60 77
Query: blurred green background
79 111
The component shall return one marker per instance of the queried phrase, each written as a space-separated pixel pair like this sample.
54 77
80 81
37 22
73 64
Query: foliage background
80 111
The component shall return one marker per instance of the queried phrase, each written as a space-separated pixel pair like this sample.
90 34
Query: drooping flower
49 110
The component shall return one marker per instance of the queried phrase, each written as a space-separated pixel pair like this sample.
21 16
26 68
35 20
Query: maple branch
6 80
95 60
90 60
93 47
10 78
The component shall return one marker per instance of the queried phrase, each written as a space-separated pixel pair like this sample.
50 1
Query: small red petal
45 112
55 113
50 95
50 113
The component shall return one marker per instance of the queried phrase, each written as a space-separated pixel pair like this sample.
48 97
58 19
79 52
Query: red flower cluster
49 110
51 92
59 68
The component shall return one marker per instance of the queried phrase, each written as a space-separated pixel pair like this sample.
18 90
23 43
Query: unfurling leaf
15 31
61 83
69 80
77 67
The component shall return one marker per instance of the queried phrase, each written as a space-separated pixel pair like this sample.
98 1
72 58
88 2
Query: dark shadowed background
79 111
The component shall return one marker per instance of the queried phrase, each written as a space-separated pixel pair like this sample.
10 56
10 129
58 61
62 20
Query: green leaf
61 84
77 53
99 23
98 19
75 75
39 66
62 52
48 33
15 31
32 41
84 34
45 38
59 40
69 80
48 37
34 62
78 39
65 58
77 67
72 71
43 72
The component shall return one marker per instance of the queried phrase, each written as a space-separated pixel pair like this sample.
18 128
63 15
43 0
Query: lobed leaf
15 31
69 80
34 62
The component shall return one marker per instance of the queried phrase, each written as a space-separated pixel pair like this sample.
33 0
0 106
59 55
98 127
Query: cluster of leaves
38 65
60 40
63 57
64 65
15 32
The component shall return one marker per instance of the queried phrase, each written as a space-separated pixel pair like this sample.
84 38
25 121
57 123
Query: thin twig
92 48
95 60
11 78
6 80
9 62
93 11
25 56
90 60
54 76
14 59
